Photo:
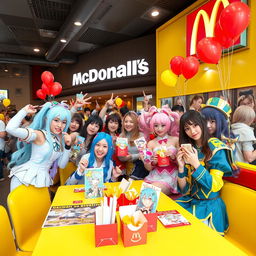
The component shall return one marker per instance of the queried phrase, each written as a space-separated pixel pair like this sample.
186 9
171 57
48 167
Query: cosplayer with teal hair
93 162
39 146
148 201
42 121
102 136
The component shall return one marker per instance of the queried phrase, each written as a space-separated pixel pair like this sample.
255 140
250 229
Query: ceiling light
77 23
63 40
125 96
155 13
36 50
206 68
6 70
99 98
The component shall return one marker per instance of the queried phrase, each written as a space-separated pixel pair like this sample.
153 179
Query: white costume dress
35 172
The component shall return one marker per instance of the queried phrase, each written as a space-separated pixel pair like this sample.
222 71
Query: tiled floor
4 189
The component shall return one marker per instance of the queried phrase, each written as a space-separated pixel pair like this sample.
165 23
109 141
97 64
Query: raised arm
109 103
80 102
25 134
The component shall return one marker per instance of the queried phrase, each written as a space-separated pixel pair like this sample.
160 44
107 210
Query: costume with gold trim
202 190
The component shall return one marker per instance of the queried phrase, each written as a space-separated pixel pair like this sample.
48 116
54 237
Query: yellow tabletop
195 239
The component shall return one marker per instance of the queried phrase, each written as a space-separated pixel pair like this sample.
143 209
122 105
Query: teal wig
42 121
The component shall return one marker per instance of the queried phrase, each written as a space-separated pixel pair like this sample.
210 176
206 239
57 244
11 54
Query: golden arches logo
136 237
209 23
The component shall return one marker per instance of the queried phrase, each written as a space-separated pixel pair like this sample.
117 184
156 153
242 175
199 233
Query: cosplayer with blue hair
40 144
102 136
148 201
221 123
217 112
99 157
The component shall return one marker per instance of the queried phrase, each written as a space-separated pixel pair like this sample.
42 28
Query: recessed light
36 50
77 23
99 98
155 13
125 96
63 40
6 70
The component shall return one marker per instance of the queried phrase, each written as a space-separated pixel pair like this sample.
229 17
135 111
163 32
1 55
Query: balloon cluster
233 20
119 102
49 87
188 67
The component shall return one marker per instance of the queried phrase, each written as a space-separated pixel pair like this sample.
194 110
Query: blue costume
202 190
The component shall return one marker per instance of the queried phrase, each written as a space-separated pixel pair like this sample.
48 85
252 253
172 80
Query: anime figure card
149 197
79 96
141 144
93 179
122 146
76 148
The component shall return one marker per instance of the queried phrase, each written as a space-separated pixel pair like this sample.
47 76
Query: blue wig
148 193
42 121
102 136
222 124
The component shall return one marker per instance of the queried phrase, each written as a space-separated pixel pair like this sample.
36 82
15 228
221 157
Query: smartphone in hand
187 146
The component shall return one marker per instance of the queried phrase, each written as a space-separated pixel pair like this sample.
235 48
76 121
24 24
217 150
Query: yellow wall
171 41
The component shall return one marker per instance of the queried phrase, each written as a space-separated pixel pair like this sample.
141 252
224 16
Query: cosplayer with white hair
39 145
162 166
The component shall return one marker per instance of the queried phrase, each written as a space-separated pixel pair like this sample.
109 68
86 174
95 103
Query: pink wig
159 116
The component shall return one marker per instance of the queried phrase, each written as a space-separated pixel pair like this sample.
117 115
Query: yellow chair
7 244
28 207
66 172
241 207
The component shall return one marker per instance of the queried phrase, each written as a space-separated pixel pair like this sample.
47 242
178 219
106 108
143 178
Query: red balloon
209 50
45 89
55 89
175 64
234 19
47 78
190 67
41 94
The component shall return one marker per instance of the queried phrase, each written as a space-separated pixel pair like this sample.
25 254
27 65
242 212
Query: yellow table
195 239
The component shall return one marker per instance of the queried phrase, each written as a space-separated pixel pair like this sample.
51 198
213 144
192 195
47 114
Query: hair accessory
60 104
159 110
132 112
219 104
248 92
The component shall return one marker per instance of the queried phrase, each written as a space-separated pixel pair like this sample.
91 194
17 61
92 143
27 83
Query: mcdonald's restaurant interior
124 48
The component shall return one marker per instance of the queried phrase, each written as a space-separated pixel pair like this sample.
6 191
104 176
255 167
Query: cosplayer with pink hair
161 165
164 116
